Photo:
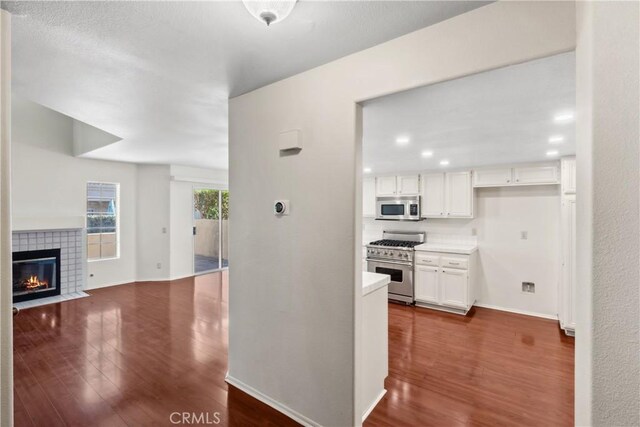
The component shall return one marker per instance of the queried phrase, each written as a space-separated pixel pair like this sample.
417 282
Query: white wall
49 182
6 322
608 215
505 260
152 233
294 320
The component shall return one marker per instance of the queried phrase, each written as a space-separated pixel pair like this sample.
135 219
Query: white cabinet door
568 293
426 289
369 197
568 175
408 184
433 195
453 285
536 175
492 177
386 186
459 195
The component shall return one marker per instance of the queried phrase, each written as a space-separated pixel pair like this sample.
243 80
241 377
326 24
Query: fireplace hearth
36 274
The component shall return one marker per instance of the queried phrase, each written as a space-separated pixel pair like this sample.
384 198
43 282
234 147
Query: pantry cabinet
402 185
445 281
447 195
567 289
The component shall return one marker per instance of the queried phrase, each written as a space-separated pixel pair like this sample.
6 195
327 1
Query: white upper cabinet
492 177
459 194
447 195
408 184
519 175
386 186
433 195
402 185
568 175
535 175
369 197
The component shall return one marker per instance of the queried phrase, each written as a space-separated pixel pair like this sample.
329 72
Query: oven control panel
390 254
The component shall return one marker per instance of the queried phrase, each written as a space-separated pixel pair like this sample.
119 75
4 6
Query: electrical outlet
159 265
529 287
524 235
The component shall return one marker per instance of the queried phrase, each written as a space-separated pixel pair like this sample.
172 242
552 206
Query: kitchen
469 201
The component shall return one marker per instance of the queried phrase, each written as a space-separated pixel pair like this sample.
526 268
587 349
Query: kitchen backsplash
438 231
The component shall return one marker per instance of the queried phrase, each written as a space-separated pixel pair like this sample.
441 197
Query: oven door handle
389 262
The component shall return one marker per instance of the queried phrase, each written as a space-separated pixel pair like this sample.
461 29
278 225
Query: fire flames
33 283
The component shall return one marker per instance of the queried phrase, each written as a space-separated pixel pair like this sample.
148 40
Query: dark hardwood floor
134 354
489 368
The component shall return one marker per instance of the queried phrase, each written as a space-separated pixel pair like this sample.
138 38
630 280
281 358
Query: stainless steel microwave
399 208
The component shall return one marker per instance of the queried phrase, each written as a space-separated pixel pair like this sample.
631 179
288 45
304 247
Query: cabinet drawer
459 263
427 259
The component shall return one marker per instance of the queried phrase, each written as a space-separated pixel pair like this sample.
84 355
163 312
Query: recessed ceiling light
552 153
563 117
367 170
403 140
444 162
427 154
556 139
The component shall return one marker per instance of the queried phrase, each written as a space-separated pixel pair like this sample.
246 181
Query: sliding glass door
210 228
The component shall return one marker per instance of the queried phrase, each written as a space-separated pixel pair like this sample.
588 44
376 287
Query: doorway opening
210 230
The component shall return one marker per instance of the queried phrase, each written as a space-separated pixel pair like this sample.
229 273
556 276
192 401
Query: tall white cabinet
568 287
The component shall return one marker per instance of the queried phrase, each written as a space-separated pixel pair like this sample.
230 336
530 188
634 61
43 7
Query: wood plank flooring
489 368
132 355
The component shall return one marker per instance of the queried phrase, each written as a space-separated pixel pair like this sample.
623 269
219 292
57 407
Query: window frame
117 215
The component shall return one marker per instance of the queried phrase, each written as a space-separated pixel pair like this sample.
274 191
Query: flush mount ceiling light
556 139
444 162
403 140
269 11
367 170
427 154
563 117
552 153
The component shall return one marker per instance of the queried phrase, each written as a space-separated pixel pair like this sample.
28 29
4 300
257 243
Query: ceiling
496 117
159 74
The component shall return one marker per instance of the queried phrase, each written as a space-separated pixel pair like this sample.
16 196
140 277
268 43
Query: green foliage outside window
207 203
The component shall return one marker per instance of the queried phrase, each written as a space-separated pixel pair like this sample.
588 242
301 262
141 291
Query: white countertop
451 248
373 281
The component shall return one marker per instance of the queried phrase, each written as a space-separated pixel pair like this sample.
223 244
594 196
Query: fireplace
36 274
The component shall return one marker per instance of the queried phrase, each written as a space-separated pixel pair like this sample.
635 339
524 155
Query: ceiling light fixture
552 153
563 117
403 140
367 170
557 139
444 162
427 154
269 11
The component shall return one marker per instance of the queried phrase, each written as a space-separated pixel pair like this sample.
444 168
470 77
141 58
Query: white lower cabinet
454 287
445 281
426 280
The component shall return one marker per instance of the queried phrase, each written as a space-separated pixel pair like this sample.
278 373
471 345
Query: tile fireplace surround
72 253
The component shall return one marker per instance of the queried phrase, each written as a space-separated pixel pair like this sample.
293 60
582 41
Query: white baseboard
374 404
296 416
513 310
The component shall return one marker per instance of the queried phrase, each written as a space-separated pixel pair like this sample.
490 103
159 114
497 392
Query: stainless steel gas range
393 255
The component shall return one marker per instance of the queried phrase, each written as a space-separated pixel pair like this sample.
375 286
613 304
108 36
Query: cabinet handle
508 180
517 180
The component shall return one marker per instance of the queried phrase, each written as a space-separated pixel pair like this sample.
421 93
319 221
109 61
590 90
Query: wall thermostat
281 207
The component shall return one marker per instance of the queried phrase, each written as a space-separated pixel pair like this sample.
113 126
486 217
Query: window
102 220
